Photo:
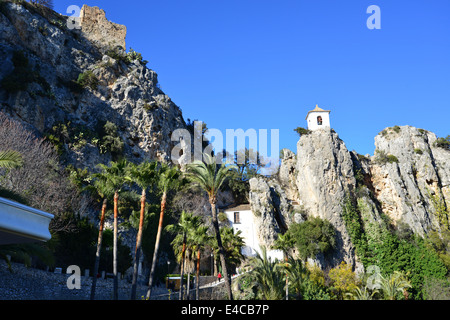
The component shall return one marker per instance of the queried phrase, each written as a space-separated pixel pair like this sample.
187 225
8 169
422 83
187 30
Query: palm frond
10 159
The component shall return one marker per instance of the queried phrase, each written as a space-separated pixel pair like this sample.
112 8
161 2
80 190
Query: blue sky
264 64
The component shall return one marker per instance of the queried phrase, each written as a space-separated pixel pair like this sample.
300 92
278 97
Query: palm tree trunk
183 252
99 247
197 276
158 238
215 266
116 281
287 281
137 254
188 289
221 250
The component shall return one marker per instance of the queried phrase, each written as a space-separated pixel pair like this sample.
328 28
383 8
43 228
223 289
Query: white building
241 218
318 119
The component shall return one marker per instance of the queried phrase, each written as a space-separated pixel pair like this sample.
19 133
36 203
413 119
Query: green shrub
302 131
88 79
110 139
313 237
443 143
418 151
117 54
381 157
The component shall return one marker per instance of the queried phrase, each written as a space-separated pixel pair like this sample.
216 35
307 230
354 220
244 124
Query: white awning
20 223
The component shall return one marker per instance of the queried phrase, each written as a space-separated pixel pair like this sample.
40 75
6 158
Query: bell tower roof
317 109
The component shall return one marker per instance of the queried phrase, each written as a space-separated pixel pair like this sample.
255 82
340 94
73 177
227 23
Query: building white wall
312 120
248 233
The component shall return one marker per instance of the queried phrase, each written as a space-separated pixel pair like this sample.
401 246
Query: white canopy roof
20 223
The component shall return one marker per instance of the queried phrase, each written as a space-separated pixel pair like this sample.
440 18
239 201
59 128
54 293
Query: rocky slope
406 180
78 80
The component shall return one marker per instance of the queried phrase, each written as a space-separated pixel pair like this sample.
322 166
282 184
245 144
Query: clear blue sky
264 64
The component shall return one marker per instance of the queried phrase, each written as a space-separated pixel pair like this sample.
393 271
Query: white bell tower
318 119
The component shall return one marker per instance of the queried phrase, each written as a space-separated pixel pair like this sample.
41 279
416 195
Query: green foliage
10 159
313 237
248 163
354 226
440 209
88 79
25 252
76 136
377 245
443 143
440 243
382 158
111 141
344 279
418 151
118 54
269 280
79 247
302 131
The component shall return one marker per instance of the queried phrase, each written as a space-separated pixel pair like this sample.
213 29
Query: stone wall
99 30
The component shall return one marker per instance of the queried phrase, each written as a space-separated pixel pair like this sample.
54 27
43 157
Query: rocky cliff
406 180
68 83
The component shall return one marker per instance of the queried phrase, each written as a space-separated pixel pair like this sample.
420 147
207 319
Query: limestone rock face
287 173
261 204
324 177
99 30
271 209
124 93
419 173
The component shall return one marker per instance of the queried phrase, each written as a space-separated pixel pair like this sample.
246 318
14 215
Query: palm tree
296 273
267 276
115 178
186 224
210 177
10 159
200 238
394 284
284 243
168 179
101 187
232 245
361 294
143 175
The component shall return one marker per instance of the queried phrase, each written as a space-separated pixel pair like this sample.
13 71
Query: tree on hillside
187 222
167 179
284 243
144 176
102 188
114 177
211 177
45 3
249 164
312 237
267 277
200 239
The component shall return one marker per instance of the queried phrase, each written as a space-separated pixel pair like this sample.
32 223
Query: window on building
237 218
319 120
